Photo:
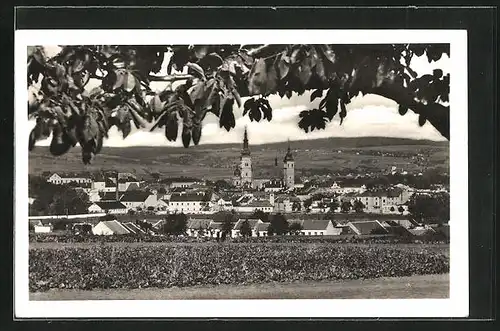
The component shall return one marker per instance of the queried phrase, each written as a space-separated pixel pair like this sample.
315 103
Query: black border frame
481 24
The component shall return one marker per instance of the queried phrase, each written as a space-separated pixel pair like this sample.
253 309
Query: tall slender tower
246 163
289 169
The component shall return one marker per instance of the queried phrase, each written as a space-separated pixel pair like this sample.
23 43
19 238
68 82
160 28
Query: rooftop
366 227
134 196
252 222
110 205
315 224
187 197
116 227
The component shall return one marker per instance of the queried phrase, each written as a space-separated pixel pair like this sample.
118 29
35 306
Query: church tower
289 169
245 163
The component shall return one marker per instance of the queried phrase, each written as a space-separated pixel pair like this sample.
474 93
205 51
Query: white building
59 180
318 228
262 205
221 205
198 227
188 203
283 204
139 200
383 202
253 223
40 228
182 184
108 228
109 207
337 189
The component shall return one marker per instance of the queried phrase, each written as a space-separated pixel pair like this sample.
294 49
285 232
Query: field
218 161
217 271
412 287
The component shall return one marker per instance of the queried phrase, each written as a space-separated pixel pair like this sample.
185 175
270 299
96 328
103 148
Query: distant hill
218 160
354 142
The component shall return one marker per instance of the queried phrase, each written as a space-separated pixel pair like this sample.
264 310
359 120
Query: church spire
289 155
246 149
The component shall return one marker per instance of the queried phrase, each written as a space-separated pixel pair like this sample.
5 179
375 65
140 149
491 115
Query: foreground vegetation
412 287
160 266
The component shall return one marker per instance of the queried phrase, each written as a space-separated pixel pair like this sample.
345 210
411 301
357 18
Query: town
112 203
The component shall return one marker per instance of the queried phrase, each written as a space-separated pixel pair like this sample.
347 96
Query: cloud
375 116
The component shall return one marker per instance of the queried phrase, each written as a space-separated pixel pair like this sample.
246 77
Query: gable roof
421 231
310 224
133 186
110 205
216 225
252 222
116 227
196 223
132 227
264 226
260 203
134 196
109 196
366 227
158 224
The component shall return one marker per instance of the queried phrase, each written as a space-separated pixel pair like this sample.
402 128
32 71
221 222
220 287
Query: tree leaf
200 51
121 75
237 97
196 70
283 66
402 110
329 53
171 127
257 78
156 104
130 82
186 136
421 120
196 133
343 112
227 119
316 94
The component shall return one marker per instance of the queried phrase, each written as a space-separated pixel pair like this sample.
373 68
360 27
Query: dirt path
426 286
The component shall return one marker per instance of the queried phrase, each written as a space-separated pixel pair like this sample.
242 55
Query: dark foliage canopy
217 78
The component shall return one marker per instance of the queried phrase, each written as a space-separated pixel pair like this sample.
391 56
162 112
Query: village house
255 205
109 207
60 180
283 204
133 228
367 227
337 189
222 204
43 228
383 201
262 229
182 184
312 227
215 229
188 203
197 227
253 223
108 228
139 200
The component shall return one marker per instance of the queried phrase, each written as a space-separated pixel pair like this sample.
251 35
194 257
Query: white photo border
457 305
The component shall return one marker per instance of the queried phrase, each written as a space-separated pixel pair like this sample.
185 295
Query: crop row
107 266
376 239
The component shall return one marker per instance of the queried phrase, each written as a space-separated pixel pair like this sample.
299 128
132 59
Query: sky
369 115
